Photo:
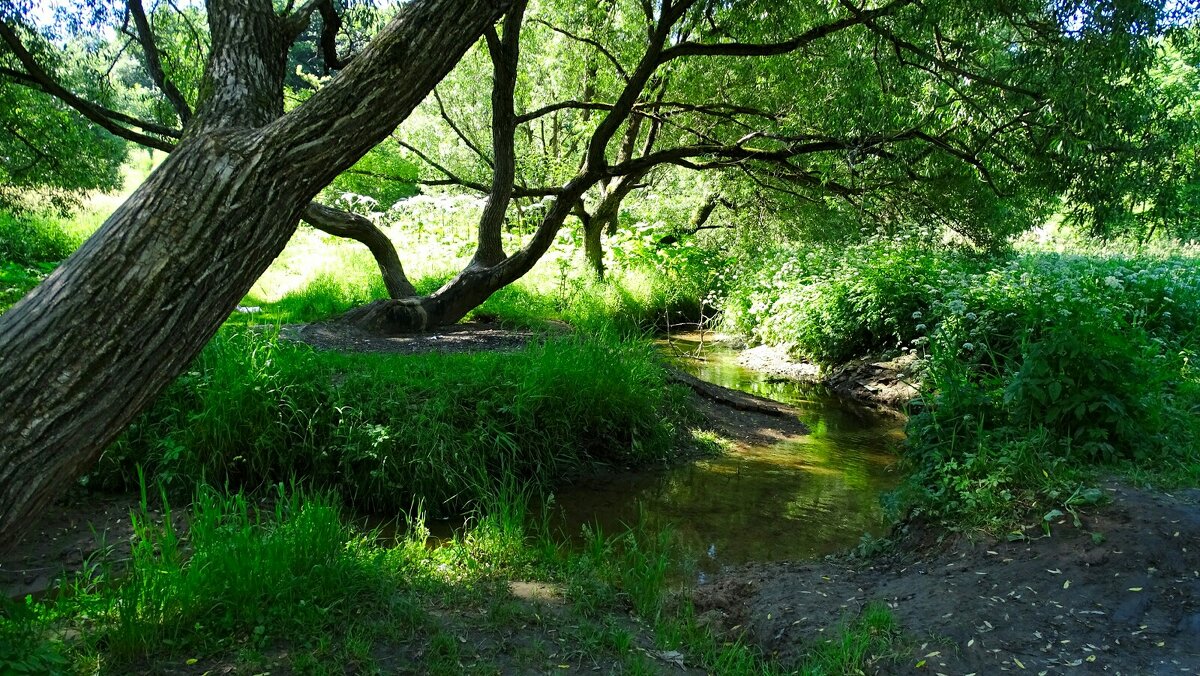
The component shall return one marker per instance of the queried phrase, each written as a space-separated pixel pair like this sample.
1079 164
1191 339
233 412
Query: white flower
968 346
920 327
971 316
916 315
1113 282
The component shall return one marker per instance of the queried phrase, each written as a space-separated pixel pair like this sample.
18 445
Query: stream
786 501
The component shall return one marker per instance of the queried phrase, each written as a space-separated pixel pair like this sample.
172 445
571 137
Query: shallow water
787 501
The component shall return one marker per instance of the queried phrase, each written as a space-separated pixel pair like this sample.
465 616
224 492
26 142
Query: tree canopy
835 118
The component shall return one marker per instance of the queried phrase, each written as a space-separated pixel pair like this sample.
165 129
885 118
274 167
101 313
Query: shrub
34 239
1038 364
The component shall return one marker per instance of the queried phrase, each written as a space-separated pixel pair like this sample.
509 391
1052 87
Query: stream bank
1119 593
1109 588
884 384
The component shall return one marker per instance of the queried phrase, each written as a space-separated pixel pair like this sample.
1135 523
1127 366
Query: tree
891 111
49 154
89 348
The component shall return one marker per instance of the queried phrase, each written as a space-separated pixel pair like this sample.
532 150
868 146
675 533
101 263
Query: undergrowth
385 430
1040 369
31 246
288 583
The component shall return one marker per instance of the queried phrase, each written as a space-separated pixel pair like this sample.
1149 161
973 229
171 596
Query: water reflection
792 500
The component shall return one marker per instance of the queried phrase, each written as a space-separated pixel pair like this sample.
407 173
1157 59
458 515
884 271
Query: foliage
33 239
1129 155
382 175
30 246
386 430
830 304
1037 366
51 155
23 647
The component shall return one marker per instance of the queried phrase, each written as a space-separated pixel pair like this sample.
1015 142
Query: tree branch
868 20
145 38
345 224
588 41
505 52
331 23
459 132
102 117
561 105
776 48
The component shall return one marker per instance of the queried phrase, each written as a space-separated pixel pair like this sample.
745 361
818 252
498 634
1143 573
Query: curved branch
858 17
470 144
41 79
345 224
868 20
505 52
561 105
454 179
588 41
145 38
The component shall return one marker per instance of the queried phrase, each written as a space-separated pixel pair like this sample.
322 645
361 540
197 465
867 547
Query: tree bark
505 52
92 346
471 287
605 219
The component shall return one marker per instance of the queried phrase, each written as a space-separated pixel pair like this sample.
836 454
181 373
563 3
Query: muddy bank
886 384
1119 593
83 531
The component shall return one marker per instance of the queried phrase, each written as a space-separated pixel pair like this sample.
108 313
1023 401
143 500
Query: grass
871 638
387 431
286 583
264 576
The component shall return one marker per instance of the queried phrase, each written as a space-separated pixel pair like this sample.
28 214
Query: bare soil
75 533
1119 594
465 337
885 384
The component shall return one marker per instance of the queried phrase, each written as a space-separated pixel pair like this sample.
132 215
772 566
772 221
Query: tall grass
36 238
290 575
245 575
385 430
30 246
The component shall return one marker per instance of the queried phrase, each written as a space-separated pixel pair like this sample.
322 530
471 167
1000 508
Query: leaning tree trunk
92 346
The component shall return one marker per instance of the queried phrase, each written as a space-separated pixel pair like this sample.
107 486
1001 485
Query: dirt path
1120 594
465 337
